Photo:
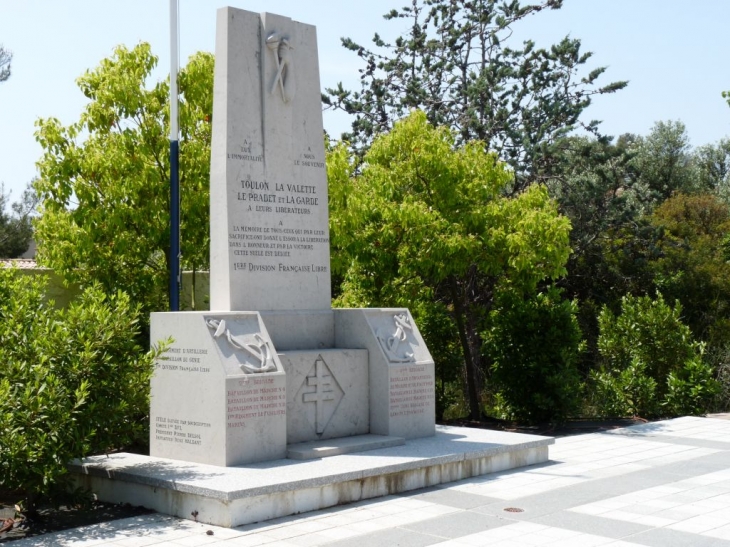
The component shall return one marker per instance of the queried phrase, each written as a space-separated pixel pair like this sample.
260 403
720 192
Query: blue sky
673 52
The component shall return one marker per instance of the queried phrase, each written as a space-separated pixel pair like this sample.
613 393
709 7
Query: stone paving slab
648 485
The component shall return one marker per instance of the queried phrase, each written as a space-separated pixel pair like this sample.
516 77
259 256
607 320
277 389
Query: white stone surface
339 446
269 215
238 495
299 330
206 406
402 375
327 394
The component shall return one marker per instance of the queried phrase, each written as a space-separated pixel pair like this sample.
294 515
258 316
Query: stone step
343 445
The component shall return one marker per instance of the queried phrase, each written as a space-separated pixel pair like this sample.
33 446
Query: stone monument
272 367
272 374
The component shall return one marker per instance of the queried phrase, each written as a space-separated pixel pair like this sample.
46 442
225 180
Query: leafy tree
691 389
5 58
693 265
104 180
593 180
619 247
437 326
16 230
713 165
455 65
648 329
590 181
426 220
609 191
664 165
624 392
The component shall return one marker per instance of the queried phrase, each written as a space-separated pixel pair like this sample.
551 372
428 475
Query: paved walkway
661 484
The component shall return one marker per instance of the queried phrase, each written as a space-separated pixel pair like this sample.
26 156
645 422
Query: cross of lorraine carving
326 395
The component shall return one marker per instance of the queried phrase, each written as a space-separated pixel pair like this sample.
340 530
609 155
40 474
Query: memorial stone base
233 496
223 394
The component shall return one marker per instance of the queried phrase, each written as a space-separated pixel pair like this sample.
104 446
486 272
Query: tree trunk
471 364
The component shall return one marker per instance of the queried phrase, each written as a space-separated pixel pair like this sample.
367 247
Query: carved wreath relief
284 80
394 345
259 349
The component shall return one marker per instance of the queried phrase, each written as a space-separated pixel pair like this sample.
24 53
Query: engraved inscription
254 399
308 159
411 391
254 192
245 153
181 359
174 430
261 241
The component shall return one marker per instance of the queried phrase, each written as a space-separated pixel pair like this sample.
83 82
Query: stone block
218 394
327 394
310 329
340 446
402 375
239 495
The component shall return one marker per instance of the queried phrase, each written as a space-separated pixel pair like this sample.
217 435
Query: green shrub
719 359
651 366
629 392
72 382
534 346
648 330
692 389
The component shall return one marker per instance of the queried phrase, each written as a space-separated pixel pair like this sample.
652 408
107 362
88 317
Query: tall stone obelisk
269 219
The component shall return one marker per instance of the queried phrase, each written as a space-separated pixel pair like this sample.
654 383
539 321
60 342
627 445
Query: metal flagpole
174 166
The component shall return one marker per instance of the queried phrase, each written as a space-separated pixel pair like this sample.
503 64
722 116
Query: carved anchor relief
391 343
259 350
284 78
